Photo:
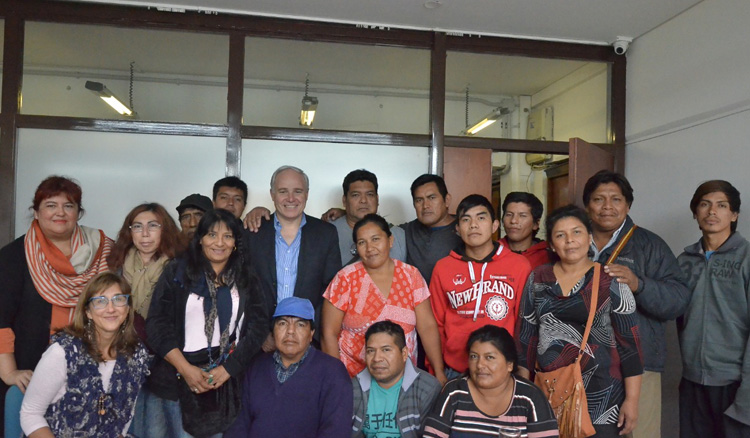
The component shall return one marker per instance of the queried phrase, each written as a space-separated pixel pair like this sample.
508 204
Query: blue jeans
451 374
13 400
156 417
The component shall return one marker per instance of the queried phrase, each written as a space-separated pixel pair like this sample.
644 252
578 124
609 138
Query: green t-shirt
382 407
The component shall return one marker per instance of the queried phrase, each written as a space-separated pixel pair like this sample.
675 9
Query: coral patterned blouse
353 292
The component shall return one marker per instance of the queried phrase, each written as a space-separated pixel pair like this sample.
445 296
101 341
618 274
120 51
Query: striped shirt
287 257
455 415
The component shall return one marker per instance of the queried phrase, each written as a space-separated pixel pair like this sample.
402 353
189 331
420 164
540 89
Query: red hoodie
537 253
466 295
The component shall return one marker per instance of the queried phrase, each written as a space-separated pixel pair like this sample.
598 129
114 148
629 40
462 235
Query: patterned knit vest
86 406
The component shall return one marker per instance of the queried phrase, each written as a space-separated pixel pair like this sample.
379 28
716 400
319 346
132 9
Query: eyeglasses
100 303
152 227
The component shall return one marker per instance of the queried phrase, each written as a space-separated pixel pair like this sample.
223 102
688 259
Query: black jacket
165 327
661 295
319 260
23 310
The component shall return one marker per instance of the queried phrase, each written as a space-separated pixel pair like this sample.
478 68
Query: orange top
61 317
353 291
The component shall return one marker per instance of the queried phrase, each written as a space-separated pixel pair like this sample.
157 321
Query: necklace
100 404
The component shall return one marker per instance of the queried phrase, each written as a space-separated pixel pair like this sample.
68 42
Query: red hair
58 185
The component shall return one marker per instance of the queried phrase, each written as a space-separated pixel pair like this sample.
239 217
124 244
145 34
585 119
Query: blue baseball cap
294 306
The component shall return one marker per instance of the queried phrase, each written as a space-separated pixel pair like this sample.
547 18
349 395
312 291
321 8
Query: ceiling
587 21
180 56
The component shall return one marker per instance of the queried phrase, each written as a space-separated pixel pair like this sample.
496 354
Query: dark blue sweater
317 401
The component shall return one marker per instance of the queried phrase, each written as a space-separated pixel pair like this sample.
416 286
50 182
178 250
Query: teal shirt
382 407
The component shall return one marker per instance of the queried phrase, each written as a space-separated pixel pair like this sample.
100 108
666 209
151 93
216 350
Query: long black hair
238 265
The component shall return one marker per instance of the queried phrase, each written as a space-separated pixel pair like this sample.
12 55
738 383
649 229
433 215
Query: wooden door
467 171
585 160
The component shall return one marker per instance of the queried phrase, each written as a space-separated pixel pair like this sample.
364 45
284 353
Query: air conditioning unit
536 159
541 124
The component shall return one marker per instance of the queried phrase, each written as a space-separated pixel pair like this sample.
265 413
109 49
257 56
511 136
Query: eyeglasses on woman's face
151 226
101 302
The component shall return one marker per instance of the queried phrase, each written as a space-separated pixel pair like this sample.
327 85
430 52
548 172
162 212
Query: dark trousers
702 411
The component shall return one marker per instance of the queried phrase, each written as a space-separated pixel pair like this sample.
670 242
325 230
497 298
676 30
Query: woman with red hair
42 275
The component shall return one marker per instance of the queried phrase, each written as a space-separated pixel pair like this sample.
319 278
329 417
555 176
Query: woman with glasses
42 275
208 319
148 239
87 381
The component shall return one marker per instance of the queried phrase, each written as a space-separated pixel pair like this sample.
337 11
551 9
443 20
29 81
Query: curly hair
172 242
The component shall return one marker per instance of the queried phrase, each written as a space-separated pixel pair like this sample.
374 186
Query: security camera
621 44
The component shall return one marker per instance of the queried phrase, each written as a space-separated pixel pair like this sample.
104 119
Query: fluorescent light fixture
102 91
309 106
486 121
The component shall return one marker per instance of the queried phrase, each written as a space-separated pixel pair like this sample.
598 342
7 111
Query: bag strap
621 245
592 309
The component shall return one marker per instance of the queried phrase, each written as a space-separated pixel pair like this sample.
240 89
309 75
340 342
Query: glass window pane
530 98
358 88
327 164
110 190
177 76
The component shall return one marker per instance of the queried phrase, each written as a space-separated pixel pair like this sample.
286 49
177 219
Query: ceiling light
102 91
432 4
486 121
309 106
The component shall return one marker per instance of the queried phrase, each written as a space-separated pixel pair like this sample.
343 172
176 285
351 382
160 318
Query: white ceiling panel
590 21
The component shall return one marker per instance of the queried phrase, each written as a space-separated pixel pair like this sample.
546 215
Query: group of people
286 325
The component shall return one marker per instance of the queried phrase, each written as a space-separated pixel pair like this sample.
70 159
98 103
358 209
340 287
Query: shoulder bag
564 387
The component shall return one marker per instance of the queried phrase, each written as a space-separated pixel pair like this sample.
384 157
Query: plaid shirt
283 373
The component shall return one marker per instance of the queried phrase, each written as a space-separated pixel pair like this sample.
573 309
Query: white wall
116 171
119 171
580 103
687 114
687 121
327 164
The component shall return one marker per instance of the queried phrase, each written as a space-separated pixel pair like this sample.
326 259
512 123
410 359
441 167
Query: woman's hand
20 378
440 376
217 377
628 415
331 329
429 332
269 345
196 379
12 375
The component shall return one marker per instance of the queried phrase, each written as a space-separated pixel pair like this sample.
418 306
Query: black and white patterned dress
551 331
